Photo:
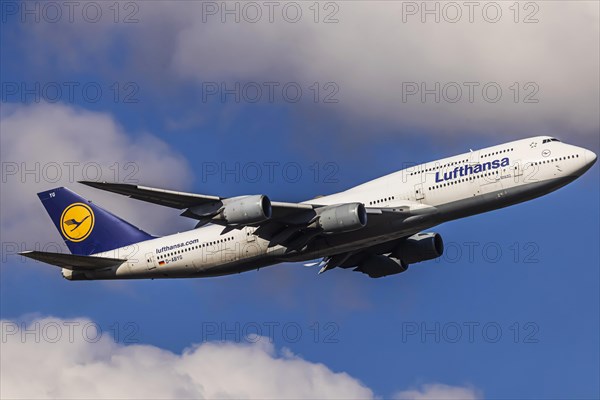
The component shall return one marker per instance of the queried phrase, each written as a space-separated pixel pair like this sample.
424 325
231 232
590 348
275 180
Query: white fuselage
458 186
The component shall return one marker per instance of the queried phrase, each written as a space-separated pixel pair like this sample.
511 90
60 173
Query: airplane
377 228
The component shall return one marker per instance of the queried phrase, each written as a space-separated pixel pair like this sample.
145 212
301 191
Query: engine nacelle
377 266
419 247
246 209
343 218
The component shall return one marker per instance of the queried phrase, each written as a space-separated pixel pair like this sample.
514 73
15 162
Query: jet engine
377 266
246 209
420 247
342 218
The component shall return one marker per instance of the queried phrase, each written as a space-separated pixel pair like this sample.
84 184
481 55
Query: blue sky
533 270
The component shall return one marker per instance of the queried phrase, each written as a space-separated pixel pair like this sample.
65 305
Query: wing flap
72 261
408 213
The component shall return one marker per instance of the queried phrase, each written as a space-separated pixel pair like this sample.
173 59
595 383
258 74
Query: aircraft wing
72 261
291 224
184 200
163 197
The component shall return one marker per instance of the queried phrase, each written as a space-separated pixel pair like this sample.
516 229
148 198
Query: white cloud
71 367
438 391
74 359
49 145
369 53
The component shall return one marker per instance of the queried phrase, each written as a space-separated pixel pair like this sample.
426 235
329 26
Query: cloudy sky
293 100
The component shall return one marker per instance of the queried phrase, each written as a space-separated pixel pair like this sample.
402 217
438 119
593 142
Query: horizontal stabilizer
73 262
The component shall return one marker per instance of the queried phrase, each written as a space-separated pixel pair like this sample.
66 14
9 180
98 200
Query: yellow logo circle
77 222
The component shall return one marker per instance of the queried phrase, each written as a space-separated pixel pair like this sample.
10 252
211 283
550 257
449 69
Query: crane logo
77 222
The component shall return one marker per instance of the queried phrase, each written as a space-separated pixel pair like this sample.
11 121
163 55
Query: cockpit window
550 140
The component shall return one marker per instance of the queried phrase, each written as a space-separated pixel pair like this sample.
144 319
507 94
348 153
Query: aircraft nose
590 157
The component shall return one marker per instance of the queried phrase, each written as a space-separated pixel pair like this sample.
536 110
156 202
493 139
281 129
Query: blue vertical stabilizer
85 227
